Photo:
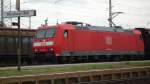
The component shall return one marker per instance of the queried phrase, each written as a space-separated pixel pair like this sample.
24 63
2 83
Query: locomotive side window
66 34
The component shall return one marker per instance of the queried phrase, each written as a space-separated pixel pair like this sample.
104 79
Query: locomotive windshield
40 33
46 33
50 33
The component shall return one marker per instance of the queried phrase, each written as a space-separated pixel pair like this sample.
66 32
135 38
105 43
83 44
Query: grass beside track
68 68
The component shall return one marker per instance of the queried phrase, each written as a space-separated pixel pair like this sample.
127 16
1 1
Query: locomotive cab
49 41
44 40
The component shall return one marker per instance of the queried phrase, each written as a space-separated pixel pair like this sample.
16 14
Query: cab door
68 41
65 41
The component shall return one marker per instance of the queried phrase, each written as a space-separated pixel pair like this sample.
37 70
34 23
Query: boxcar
146 38
8 45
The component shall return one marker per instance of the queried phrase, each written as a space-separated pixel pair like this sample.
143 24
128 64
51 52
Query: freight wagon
8 45
145 33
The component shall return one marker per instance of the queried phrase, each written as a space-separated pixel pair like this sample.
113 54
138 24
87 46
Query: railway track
142 80
136 75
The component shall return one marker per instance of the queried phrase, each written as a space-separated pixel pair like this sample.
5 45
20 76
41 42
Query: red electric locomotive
76 41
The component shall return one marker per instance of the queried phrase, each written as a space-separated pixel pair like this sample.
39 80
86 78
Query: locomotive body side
87 42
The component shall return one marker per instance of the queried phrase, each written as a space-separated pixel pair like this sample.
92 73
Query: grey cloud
135 11
59 1
40 1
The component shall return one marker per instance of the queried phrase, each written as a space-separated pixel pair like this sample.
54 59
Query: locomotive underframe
72 57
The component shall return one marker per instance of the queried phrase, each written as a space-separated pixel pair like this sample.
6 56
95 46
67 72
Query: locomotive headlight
35 50
50 43
51 49
37 44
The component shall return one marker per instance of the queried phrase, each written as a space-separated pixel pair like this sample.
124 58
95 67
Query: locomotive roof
103 28
85 26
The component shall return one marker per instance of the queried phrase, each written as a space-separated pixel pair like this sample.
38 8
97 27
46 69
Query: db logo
108 40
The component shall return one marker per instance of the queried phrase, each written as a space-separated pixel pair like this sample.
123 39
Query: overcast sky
136 12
